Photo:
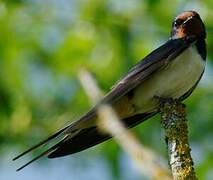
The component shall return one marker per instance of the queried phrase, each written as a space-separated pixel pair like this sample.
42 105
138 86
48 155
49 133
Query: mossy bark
173 120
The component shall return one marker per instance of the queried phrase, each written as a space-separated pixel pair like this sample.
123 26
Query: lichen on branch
174 122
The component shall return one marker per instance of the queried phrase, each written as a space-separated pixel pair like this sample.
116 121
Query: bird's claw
163 100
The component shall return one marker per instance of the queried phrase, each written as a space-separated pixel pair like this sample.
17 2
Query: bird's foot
168 101
163 100
170 105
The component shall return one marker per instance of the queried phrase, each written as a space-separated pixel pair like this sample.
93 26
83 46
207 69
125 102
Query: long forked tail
37 157
80 140
41 143
84 139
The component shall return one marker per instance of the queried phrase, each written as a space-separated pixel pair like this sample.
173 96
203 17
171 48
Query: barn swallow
171 71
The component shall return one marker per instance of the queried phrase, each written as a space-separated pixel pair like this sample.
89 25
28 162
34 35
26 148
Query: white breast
174 81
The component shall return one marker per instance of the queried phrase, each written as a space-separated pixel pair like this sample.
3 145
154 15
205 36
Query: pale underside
171 82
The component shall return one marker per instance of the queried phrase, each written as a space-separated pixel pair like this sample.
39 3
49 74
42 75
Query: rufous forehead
186 15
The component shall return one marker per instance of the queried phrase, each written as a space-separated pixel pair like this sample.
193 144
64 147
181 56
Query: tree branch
146 161
173 120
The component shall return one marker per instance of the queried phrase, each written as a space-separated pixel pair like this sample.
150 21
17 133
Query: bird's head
188 24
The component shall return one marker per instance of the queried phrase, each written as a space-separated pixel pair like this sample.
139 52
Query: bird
173 70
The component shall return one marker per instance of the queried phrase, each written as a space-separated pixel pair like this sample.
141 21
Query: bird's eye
178 22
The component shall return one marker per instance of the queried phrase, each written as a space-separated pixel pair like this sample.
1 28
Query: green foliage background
44 43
